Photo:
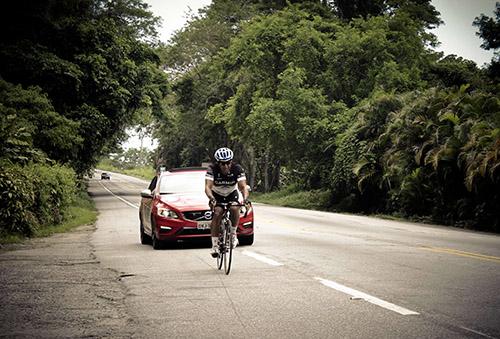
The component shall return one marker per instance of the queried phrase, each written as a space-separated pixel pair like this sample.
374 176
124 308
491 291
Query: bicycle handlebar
225 206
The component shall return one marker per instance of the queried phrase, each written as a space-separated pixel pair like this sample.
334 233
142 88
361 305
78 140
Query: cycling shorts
231 197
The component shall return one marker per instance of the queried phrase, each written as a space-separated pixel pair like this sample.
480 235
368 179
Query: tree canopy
346 96
93 66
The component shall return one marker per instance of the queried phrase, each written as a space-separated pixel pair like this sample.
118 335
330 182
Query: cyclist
222 181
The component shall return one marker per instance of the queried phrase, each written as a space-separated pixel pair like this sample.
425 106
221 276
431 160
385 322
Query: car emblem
208 215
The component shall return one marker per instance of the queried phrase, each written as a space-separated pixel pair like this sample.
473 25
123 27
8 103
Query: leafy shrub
17 196
34 196
437 156
55 190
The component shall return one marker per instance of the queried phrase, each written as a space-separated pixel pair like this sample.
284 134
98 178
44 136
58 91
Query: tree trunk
275 175
265 171
252 167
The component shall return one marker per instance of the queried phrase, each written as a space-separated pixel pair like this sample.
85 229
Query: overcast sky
457 35
173 13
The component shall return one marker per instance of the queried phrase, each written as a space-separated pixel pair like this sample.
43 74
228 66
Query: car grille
198 215
193 231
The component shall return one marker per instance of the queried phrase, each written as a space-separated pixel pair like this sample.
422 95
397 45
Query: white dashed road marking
361 295
262 258
352 292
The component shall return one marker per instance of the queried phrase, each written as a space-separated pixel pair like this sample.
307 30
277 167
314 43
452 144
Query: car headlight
245 209
166 213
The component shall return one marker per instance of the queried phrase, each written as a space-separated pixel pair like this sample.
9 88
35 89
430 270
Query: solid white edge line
361 295
476 332
262 258
125 201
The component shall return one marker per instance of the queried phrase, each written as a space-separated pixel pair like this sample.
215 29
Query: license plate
203 225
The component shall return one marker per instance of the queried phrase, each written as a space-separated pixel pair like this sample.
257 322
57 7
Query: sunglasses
224 163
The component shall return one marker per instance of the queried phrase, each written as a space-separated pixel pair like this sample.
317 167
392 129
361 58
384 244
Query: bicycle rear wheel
229 247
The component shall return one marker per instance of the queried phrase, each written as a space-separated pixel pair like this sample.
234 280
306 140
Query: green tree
204 35
337 63
339 95
30 123
95 62
489 31
456 71
185 136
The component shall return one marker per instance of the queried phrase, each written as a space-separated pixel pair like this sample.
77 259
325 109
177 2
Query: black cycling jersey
225 184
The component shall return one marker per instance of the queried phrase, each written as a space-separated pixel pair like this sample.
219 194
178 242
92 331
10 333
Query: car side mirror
147 194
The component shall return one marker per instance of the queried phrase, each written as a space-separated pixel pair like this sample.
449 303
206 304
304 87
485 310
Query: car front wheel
246 240
154 240
145 239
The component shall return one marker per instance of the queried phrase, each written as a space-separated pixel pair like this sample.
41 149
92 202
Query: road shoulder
55 287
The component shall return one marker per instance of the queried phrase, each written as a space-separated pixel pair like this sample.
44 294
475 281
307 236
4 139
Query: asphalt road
309 274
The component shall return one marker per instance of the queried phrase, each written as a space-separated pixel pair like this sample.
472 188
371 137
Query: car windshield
186 182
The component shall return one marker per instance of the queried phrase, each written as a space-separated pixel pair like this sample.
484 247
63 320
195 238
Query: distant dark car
177 209
105 176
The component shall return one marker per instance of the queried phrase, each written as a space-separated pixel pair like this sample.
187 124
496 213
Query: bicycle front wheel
222 251
229 247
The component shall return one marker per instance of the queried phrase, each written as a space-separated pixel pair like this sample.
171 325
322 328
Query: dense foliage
346 96
346 99
34 196
73 75
92 60
431 154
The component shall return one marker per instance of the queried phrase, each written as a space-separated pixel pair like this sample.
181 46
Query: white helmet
223 154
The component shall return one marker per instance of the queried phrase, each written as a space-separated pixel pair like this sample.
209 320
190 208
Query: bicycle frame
225 240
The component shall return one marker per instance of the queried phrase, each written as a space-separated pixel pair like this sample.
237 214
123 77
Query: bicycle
225 255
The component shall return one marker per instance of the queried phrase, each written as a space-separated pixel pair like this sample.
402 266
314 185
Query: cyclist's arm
242 186
209 184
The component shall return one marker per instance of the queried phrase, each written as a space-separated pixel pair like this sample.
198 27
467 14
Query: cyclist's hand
212 203
247 202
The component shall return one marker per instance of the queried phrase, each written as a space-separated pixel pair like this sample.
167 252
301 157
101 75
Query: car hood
186 202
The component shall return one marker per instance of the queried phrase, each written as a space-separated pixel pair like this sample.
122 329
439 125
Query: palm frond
451 117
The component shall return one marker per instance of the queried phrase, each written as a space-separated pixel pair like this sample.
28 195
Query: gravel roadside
56 288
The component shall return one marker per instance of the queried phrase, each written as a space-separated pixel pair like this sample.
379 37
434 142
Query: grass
81 212
11 238
146 172
292 196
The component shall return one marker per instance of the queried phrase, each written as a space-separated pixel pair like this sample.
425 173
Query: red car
177 209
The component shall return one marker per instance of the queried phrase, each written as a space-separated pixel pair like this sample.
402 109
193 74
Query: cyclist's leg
215 225
235 215
234 210
215 230
216 220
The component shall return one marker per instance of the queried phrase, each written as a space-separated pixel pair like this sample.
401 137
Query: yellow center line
462 253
